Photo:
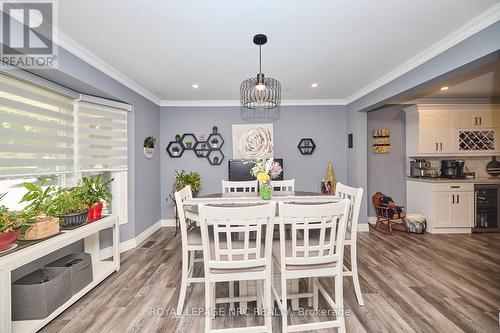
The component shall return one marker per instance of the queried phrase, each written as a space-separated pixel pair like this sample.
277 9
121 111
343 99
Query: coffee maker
452 168
419 167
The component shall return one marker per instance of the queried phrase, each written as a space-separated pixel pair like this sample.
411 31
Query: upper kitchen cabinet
458 129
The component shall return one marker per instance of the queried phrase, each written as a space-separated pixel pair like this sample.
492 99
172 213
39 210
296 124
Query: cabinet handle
455 186
441 146
453 198
437 147
458 198
475 120
480 120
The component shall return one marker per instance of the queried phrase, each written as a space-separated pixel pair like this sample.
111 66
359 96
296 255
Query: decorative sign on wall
253 141
203 148
381 141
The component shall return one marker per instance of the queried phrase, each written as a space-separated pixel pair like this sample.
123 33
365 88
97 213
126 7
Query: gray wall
325 124
387 172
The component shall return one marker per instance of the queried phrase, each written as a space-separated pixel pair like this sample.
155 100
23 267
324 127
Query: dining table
241 199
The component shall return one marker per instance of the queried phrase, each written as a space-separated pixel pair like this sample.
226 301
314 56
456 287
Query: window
48 135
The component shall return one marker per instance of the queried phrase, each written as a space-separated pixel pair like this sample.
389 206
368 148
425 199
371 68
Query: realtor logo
28 34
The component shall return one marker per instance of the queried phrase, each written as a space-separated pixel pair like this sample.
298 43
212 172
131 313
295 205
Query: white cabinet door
442 209
475 119
462 213
426 142
444 133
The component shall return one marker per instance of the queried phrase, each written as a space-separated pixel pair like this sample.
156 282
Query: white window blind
36 130
102 137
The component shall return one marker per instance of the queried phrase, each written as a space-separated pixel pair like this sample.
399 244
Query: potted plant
203 146
10 226
175 151
265 170
178 137
70 206
215 129
214 142
96 191
189 144
216 160
183 178
149 146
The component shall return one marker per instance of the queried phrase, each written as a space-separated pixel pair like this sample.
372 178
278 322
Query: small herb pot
215 145
8 238
95 212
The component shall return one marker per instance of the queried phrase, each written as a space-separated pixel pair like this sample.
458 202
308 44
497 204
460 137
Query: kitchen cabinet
452 129
448 207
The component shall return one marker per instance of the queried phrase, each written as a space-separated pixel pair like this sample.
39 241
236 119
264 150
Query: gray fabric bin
40 293
80 270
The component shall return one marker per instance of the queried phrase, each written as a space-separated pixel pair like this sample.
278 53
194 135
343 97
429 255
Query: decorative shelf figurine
201 149
306 146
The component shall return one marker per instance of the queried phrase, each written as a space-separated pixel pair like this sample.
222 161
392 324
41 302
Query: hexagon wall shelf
306 146
175 149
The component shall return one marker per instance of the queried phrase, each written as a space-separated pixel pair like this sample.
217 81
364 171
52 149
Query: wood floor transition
411 283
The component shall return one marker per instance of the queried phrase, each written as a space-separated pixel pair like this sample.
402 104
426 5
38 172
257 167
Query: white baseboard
372 219
363 227
167 222
134 242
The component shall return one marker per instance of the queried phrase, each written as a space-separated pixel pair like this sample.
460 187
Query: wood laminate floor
411 283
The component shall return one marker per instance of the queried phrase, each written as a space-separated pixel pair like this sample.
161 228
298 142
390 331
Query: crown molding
478 23
92 59
289 102
444 101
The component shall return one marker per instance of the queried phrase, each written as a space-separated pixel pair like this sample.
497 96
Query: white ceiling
163 47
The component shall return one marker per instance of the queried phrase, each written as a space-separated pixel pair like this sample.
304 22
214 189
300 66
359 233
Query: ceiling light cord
260 59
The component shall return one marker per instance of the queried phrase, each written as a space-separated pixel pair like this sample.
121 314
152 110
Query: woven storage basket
73 219
415 223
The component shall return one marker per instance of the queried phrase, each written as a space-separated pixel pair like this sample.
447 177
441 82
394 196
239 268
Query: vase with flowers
265 170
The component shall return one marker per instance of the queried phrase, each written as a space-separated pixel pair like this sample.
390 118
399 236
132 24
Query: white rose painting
253 141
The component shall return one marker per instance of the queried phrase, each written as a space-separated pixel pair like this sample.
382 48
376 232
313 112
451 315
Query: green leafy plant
149 142
176 149
189 143
177 137
39 199
215 129
216 160
68 201
96 189
11 220
215 141
183 178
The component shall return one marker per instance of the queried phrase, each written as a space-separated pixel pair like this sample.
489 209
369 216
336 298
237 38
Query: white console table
101 268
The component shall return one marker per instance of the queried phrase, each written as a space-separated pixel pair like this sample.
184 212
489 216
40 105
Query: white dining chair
354 195
283 185
319 253
191 242
237 186
228 258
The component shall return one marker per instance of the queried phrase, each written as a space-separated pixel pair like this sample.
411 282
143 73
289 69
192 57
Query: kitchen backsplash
472 164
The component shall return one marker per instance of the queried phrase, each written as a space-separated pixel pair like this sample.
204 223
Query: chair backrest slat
283 185
317 232
180 197
237 234
354 195
243 186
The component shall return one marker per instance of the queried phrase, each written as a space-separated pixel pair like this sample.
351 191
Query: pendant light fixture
260 92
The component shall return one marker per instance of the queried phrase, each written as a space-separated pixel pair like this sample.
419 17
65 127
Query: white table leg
5 300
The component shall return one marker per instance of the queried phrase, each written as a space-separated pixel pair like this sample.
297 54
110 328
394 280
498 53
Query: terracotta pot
8 238
95 212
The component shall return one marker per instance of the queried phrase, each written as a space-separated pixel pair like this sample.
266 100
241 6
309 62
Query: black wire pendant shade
260 92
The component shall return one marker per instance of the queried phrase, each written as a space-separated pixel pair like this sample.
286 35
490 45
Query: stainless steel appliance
452 168
419 167
487 208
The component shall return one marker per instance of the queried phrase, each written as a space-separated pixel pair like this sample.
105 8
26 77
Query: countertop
447 180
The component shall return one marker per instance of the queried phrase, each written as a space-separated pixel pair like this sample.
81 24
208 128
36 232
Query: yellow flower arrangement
263 177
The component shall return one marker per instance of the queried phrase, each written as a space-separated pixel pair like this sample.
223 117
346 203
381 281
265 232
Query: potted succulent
215 129
96 191
189 144
203 146
215 143
175 151
216 160
178 137
10 226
